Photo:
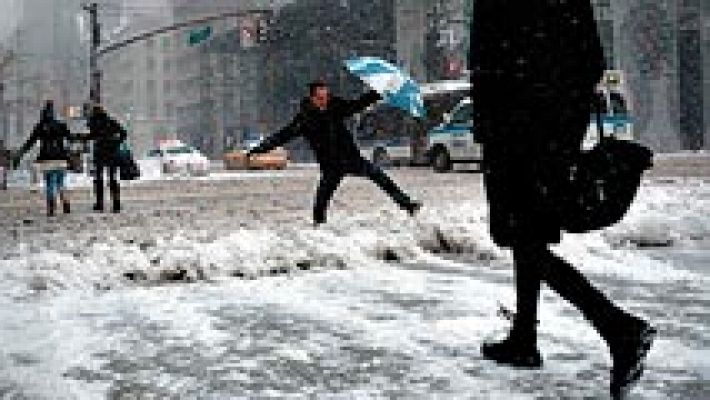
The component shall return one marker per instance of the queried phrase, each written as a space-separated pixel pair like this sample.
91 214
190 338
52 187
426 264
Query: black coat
53 136
333 144
535 65
107 135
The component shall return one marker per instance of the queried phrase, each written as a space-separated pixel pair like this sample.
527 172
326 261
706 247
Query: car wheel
441 161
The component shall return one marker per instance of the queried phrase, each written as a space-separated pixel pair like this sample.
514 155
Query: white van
453 142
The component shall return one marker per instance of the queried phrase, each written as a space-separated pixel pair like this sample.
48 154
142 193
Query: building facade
41 58
138 83
663 46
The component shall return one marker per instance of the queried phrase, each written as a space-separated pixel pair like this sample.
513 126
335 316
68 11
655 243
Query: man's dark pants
114 187
331 178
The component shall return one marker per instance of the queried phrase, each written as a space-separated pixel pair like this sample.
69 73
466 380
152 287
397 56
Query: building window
165 42
169 110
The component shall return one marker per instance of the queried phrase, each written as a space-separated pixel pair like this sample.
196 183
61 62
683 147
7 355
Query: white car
453 141
177 157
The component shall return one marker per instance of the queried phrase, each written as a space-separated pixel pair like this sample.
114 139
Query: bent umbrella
395 86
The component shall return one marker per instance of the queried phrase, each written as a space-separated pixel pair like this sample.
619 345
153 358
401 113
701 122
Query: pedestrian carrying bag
127 167
603 183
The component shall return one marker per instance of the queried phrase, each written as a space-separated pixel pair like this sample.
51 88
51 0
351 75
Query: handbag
603 183
128 169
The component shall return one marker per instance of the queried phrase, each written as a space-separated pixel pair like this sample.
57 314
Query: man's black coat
107 135
332 143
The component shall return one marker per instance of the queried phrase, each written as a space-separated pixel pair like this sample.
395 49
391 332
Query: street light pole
94 71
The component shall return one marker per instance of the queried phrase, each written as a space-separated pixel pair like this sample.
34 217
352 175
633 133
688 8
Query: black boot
413 208
50 208
66 207
115 197
629 348
519 349
116 208
99 191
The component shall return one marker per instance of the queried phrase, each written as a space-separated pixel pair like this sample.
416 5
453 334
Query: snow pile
663 215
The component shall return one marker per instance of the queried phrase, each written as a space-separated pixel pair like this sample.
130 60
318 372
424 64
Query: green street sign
197 36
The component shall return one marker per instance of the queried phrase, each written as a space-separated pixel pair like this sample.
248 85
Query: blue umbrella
395 86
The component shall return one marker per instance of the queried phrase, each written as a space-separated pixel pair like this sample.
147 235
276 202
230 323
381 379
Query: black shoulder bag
603 183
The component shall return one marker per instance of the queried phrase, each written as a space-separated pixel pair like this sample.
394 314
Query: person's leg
50 191
63 194
99 186
629 338
520 347
114 188
326 187
384 182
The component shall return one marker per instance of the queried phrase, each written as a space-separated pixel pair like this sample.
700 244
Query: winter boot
66 207
413 208
99 191
628 350
519 349
116 207
50 208
115 197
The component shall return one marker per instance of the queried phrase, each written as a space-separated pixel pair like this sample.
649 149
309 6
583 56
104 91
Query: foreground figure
548 54
320 122
107 135
53 157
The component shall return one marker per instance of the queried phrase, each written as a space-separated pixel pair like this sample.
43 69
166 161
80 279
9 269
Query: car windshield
179 150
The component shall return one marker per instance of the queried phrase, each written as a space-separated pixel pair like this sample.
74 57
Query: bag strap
600 125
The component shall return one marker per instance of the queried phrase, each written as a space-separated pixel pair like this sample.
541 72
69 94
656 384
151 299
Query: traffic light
263 28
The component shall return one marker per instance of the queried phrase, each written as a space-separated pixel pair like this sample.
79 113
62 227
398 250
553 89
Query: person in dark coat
321 122
107 135
535 66
53 157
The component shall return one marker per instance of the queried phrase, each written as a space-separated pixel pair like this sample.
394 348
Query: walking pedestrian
321 122
107 135
548 54
53 157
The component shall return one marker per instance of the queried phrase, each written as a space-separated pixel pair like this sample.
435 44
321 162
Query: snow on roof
445 87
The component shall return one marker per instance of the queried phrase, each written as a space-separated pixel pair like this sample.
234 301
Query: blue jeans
53 182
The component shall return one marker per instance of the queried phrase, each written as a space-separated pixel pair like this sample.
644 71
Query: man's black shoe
414 208
513 353
98 207
628 360
66 207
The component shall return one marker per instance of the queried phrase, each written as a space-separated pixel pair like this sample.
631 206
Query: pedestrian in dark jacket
548 54
107 135
321 122
53 156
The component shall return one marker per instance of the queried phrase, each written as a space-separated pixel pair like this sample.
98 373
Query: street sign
197 36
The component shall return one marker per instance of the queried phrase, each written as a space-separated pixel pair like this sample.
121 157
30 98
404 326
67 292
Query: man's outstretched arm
279 138
351 107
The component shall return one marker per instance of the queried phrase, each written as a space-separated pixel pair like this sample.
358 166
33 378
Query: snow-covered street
221 288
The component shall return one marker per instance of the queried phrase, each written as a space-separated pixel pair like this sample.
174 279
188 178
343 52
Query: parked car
453 140
237 159
177 157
